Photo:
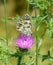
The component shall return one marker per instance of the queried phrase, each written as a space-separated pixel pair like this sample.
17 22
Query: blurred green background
18 7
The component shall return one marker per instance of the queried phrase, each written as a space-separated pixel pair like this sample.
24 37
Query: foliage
43 6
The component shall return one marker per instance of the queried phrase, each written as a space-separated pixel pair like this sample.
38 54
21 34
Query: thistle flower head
24 42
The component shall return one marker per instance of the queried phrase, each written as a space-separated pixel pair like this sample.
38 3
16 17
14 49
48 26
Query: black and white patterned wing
24 25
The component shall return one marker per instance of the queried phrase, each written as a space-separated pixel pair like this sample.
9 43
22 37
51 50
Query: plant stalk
6 26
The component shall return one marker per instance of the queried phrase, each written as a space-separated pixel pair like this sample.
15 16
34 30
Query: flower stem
37 47
27 6
19 60
6 27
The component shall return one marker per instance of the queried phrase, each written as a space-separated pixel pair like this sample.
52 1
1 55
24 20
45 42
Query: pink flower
24 41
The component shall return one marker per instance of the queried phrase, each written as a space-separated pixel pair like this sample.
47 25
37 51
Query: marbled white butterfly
24 25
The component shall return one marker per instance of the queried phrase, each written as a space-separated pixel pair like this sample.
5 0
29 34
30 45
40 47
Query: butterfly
24 25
